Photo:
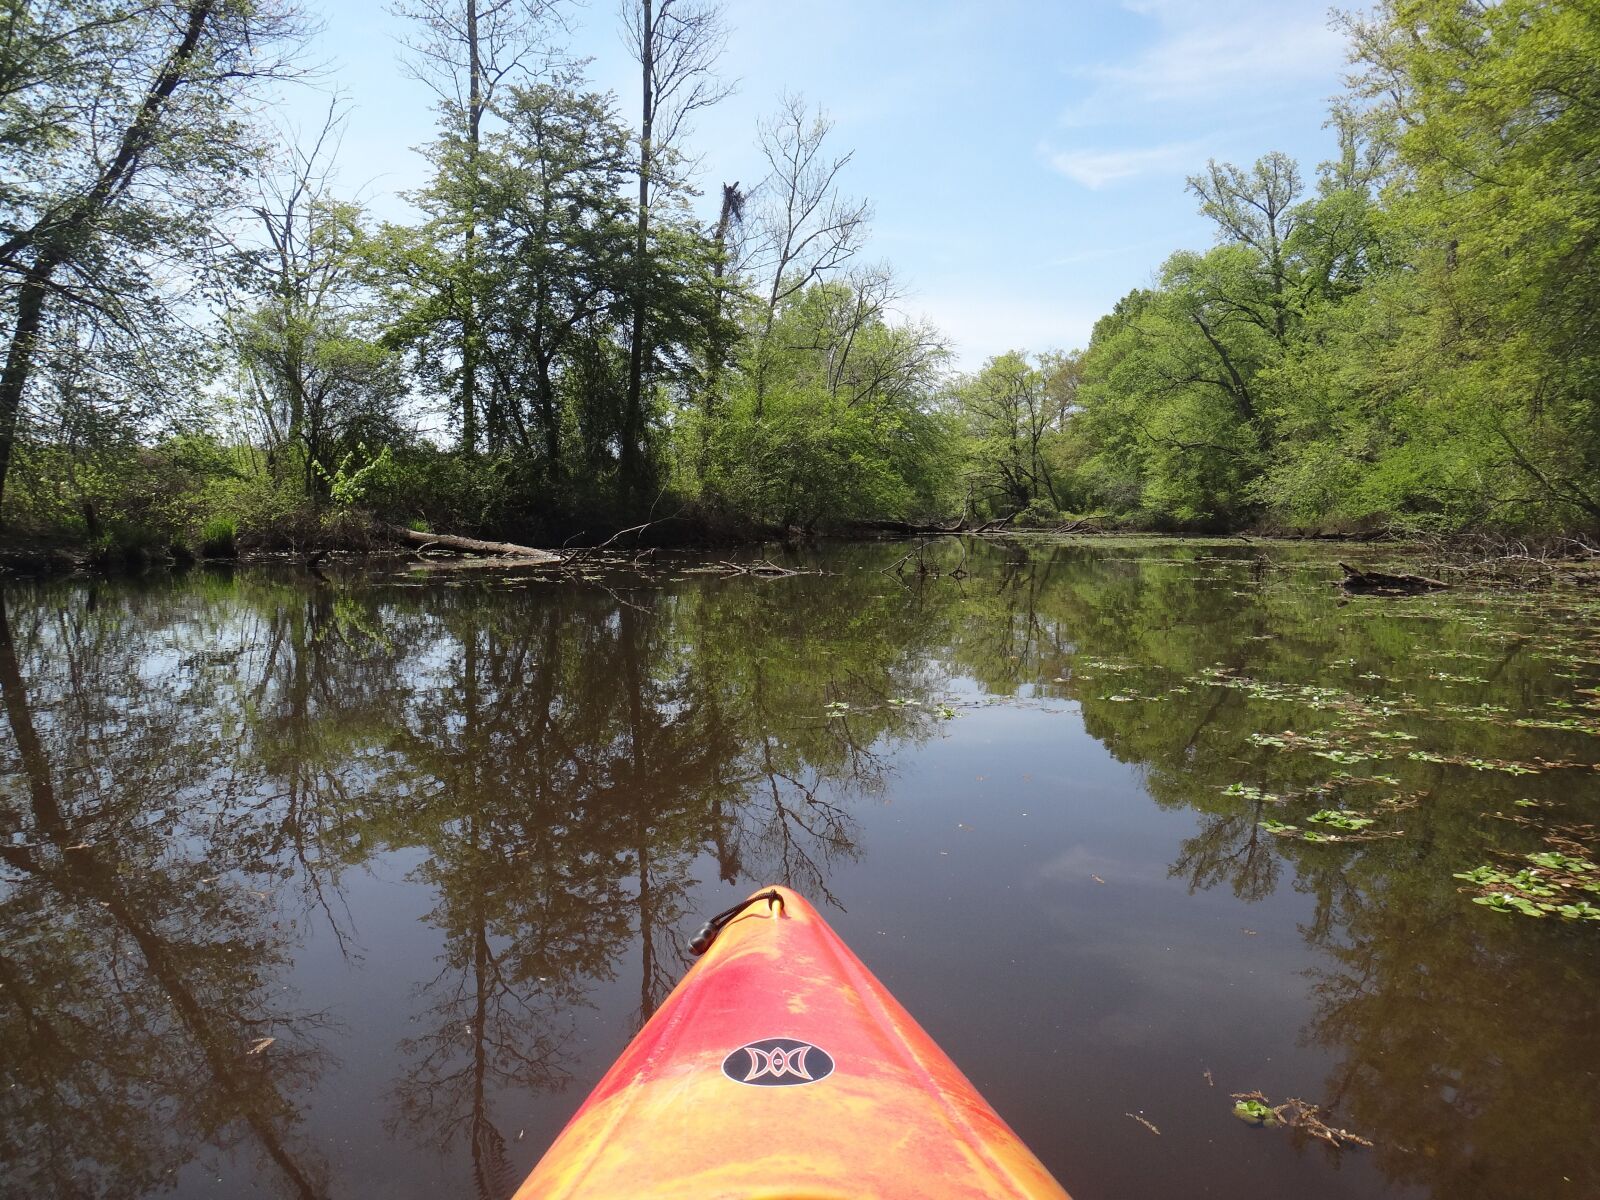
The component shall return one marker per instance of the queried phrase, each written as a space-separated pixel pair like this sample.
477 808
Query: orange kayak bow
780 1069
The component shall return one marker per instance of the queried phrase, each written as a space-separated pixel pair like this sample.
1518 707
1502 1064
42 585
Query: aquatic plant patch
1294 1114
1357 833
1247 791
1556 883
1477 764
1349 821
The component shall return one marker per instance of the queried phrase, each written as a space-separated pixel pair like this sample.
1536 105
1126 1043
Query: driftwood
466 545
761 569
959 525
1497 560
998 522
587 556
1383 583
924 569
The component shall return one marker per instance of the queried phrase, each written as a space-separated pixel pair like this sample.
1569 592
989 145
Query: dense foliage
205 338
1410 342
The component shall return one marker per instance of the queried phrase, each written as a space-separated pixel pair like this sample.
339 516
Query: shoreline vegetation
211 351
1390 561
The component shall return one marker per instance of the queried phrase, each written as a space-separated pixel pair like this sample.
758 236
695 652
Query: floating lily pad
1255 1112
1340 820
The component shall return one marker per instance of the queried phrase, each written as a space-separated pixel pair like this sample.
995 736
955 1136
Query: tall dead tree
728 222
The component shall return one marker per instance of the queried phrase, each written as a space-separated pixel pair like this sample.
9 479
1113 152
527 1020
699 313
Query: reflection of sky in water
1052 879
1125 992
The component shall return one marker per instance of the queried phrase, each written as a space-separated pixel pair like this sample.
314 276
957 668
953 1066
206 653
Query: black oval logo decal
778 1062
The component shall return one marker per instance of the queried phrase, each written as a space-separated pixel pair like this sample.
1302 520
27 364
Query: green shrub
217 538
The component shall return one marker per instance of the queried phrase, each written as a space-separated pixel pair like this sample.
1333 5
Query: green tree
317 384
1171 387
677 44
834 417
1010 411
1496 113
125 133
465 50
554 258
1257 210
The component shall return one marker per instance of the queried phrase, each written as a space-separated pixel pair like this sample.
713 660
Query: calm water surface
443 841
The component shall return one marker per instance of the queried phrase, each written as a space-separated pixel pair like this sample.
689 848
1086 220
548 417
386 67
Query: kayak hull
780 1067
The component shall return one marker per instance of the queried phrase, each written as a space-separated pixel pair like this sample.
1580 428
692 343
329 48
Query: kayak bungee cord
708 931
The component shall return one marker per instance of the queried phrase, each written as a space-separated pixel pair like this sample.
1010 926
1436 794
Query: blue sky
1025 159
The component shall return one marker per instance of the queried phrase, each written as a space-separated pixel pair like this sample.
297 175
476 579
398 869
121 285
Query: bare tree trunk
471 545
732 211
633 407
469 315
19 364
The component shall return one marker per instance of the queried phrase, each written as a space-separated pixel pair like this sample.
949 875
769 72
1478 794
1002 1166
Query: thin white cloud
1201 53
1095 169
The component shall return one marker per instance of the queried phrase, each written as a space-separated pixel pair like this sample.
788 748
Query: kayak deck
780 1067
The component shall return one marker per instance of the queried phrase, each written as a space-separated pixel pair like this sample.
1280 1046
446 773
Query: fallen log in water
760 569
958 526
1383 583
466 545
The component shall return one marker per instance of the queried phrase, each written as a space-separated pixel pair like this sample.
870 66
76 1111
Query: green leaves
124 147
1554 861
1349 757
1509 902
1340 820
1255 1112
1248 792
1551 886
1502 765
1012 416
827 415
348 483
1411 346
509 295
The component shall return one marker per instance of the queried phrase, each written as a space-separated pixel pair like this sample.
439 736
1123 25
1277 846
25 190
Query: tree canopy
204 332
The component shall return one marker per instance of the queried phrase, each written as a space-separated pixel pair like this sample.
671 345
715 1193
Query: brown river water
353 886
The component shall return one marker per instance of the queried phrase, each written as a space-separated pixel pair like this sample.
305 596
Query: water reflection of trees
572 759
137 959
221 753
188 773
1466 1042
